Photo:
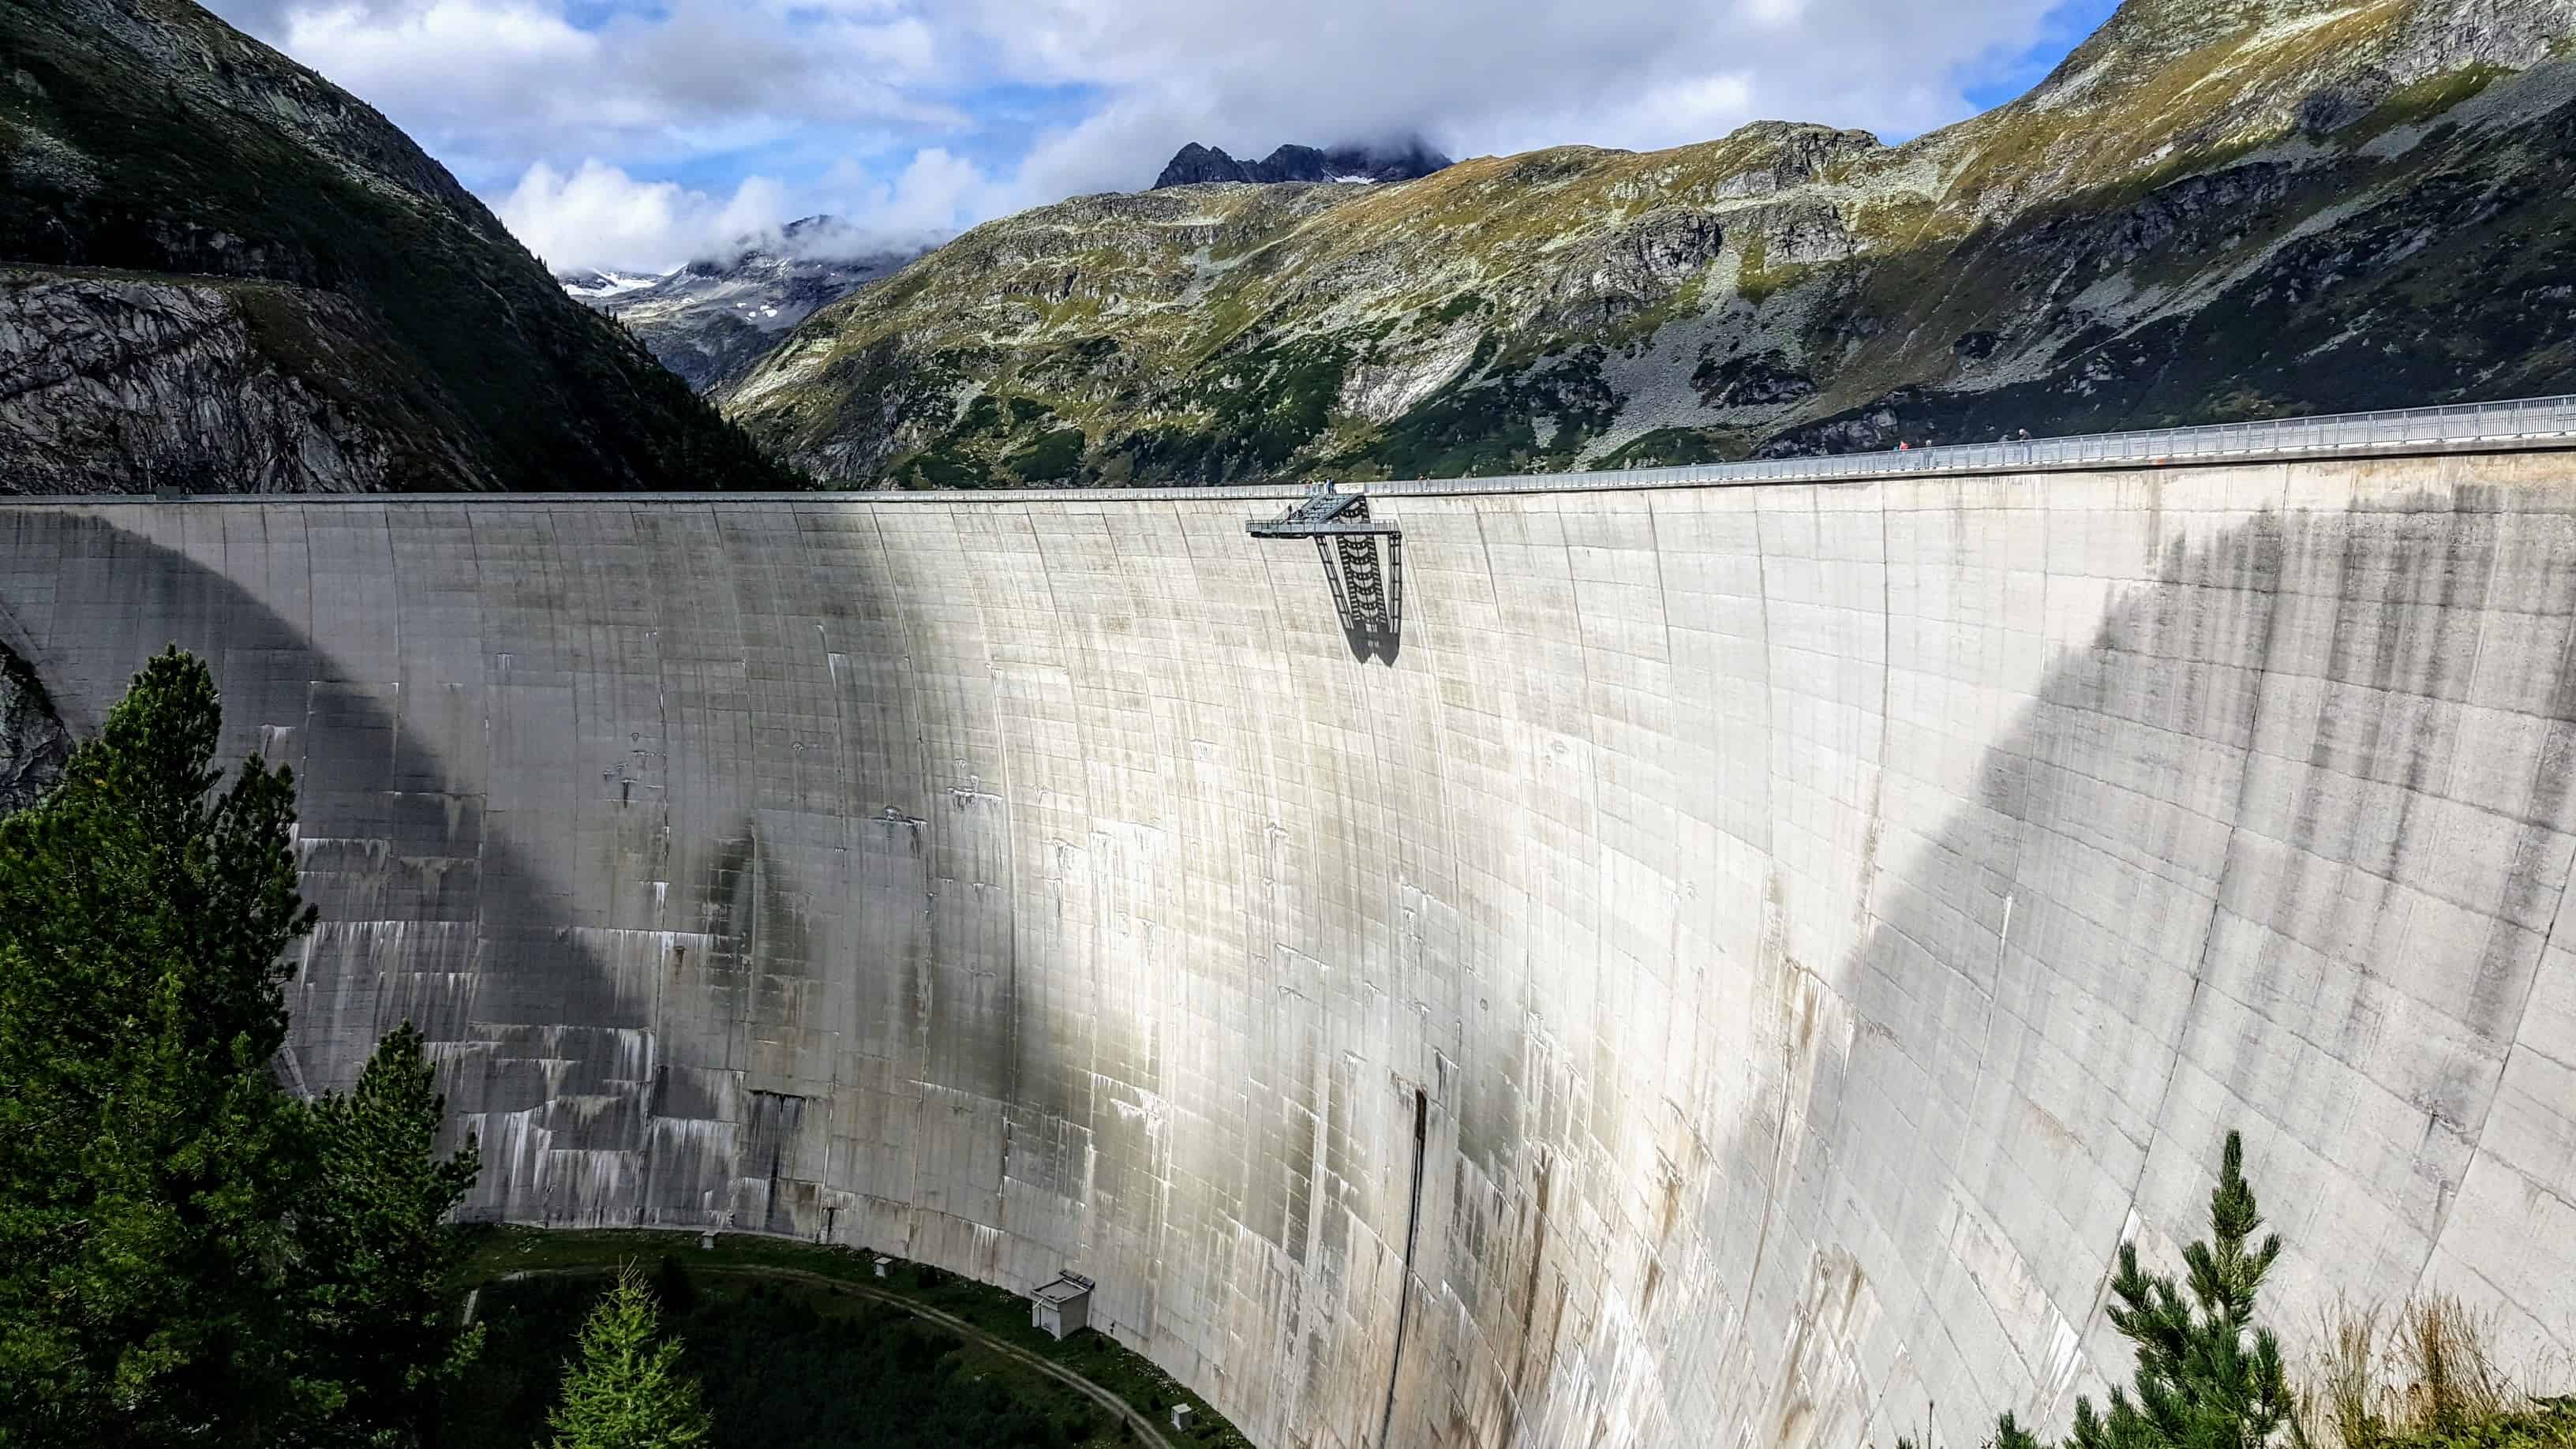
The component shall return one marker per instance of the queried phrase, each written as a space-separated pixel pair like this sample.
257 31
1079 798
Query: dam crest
1733 971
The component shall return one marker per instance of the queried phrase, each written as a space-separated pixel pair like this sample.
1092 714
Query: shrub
2423 1377
2201 1381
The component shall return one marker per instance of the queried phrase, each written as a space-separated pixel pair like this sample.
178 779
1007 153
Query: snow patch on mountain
711 320
590 285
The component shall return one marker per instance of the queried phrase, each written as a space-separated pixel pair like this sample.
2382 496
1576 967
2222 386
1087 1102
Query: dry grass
2426 1372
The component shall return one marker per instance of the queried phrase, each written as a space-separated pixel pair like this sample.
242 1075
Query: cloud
934 195
598 216
1477 78
491 86
919 116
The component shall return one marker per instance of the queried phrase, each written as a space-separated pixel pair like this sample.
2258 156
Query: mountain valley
710 320
2212 210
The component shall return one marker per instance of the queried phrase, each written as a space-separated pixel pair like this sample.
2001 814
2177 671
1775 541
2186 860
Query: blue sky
635 135
2061 29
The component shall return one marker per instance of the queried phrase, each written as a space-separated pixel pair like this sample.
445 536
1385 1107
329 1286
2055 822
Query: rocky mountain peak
1195 164
1404 160
1792 153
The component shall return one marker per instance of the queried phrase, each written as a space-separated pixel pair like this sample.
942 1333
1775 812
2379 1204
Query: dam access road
1730 973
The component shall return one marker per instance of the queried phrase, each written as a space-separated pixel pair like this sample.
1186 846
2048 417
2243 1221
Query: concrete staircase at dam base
1736 973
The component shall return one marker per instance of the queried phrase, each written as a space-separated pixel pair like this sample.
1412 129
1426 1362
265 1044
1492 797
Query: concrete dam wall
1734 976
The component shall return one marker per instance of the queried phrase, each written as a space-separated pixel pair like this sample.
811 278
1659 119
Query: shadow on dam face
2274 840
2278 848
1366 575
549 1046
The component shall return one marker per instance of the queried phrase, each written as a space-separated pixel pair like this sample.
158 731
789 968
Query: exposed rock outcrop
114 382
1195 165
226 270
34 744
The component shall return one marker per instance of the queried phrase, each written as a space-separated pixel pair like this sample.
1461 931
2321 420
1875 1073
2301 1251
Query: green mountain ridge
2209 211
222 273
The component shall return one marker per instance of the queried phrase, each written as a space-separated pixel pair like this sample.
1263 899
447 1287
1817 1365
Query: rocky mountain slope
220 272
34 742
712 319
2214 209
1195 164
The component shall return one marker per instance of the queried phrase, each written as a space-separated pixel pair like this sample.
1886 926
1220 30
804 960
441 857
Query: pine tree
148 1157
376 1251
624 1388
2207 1377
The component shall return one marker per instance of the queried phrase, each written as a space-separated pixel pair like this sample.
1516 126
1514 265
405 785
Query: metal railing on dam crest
2527 422
2541 422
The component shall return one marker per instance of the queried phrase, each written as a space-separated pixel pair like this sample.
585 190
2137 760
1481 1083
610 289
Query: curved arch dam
1735 976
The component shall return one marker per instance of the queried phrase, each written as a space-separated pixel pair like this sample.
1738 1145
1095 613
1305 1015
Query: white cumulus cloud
598 216
490 86
933 195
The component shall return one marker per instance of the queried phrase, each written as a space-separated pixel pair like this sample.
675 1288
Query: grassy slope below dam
805 1344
